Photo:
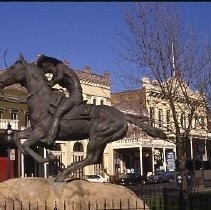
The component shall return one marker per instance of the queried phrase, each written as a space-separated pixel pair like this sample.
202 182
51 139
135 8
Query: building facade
149 154
137 152
13 110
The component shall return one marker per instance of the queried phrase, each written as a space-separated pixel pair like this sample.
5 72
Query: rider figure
66 78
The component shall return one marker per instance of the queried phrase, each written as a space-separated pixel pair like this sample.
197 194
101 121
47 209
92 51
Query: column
121 164
205 149
191 147
164 158
19 162
175 153
45 164
22 166
112 162
22 161
153 162
141 160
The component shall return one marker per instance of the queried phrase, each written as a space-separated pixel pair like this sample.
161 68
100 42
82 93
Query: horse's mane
37 69
18 61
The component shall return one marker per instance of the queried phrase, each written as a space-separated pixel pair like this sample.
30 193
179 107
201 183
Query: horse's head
14 74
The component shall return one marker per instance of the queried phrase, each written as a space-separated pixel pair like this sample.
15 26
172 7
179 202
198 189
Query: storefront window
78 155
151 115
160 120
14 115
168 118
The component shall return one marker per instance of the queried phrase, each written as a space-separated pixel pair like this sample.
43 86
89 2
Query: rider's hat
45 59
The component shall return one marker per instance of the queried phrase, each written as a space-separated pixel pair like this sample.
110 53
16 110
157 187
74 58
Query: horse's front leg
24 134
36 135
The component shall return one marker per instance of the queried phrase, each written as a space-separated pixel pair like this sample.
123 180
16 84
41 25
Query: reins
36 91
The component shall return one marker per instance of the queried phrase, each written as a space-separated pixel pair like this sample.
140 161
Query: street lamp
9 136
9 133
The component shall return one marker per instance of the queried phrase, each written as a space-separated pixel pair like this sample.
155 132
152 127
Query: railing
128 140
171 199
65 205
13 123
144 141
182 200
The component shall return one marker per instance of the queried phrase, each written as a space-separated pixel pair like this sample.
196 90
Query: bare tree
170 53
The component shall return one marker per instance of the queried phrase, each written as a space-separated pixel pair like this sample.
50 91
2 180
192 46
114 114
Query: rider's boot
53 131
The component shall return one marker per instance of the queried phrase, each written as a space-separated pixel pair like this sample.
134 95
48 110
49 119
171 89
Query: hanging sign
170 161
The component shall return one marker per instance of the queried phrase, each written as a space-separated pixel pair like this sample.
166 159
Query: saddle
82 111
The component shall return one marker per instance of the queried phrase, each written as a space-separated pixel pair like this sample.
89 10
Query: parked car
130 179
161 176
95 178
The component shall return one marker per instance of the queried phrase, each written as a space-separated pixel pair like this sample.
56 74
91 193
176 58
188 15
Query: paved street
151 189
157 189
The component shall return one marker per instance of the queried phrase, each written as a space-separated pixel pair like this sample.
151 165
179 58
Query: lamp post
9 134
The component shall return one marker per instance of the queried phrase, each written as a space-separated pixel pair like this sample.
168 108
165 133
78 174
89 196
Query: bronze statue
66 78
99 124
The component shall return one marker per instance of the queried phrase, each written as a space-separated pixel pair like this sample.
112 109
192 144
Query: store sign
205 157
12 154
170 161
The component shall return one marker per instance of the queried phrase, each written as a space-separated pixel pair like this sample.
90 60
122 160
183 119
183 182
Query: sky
84 33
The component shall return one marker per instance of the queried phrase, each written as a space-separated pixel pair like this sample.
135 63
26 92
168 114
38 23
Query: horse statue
101 125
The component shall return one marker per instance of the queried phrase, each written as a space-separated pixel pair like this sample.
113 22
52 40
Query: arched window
78 155
27 119
78 147
14 114
94 101
101 102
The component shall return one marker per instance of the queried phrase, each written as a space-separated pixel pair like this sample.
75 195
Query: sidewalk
207 186
206 189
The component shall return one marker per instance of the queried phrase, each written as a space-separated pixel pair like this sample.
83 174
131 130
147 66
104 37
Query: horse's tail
146 127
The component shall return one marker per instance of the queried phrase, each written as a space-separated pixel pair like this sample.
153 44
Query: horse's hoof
58 179
70 179
23 152
50 143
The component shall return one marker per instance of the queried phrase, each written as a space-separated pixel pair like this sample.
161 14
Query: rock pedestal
40 194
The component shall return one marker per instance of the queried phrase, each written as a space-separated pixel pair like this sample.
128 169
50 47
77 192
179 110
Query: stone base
78 194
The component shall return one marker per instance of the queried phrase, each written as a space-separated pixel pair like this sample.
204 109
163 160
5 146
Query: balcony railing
13 123
145 141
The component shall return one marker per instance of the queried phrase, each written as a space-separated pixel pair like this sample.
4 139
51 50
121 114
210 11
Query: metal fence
172 199
122 205
181 200
149 202
149 190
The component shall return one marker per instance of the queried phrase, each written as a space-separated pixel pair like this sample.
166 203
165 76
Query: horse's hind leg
95 150
24 134
97 143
